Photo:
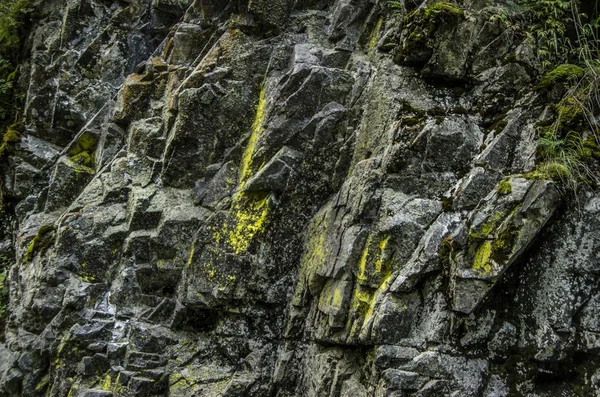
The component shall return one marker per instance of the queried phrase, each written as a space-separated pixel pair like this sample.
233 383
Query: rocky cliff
291 198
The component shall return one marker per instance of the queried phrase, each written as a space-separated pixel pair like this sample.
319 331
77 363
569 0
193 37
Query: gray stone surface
289 198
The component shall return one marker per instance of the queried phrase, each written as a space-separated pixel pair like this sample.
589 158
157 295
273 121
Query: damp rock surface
290 198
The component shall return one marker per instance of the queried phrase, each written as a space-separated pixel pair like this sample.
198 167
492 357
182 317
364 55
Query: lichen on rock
298 198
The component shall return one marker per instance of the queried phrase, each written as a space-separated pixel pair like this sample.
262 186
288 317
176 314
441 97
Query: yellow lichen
382 244
375 35
245 169
362 264
87 278
361 303
106 385
316 251
366 259
337 298
191 256
250 213
331 298
84 159
42 384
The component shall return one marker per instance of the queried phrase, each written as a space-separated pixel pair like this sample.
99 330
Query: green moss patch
504 187
443 7
84 151
12 135
421 24
41 242
561 74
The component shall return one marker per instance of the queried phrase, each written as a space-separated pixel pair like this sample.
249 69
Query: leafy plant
550 32
569 51
569 145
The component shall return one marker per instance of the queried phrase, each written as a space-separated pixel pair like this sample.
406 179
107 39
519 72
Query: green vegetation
504 187
569 51
12 135
13 17
430 17
42 241
423 22
568 146
434 10
550 32
565 73
84 151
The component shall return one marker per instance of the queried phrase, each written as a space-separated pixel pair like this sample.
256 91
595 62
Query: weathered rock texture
290 198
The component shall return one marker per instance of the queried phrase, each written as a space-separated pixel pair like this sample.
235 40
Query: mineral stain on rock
299 198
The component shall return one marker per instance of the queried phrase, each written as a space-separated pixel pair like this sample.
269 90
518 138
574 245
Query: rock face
289 198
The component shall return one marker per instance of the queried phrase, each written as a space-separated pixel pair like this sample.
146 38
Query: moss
558 171
504 187
31 250
591 150
442 7
436 111
84 159
482 256
85 143
447 203
570 112
82 154
411 115
486 229
431 15
503 246
561 74
411 121
423 22
535 175
12 135
3 294
44 239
